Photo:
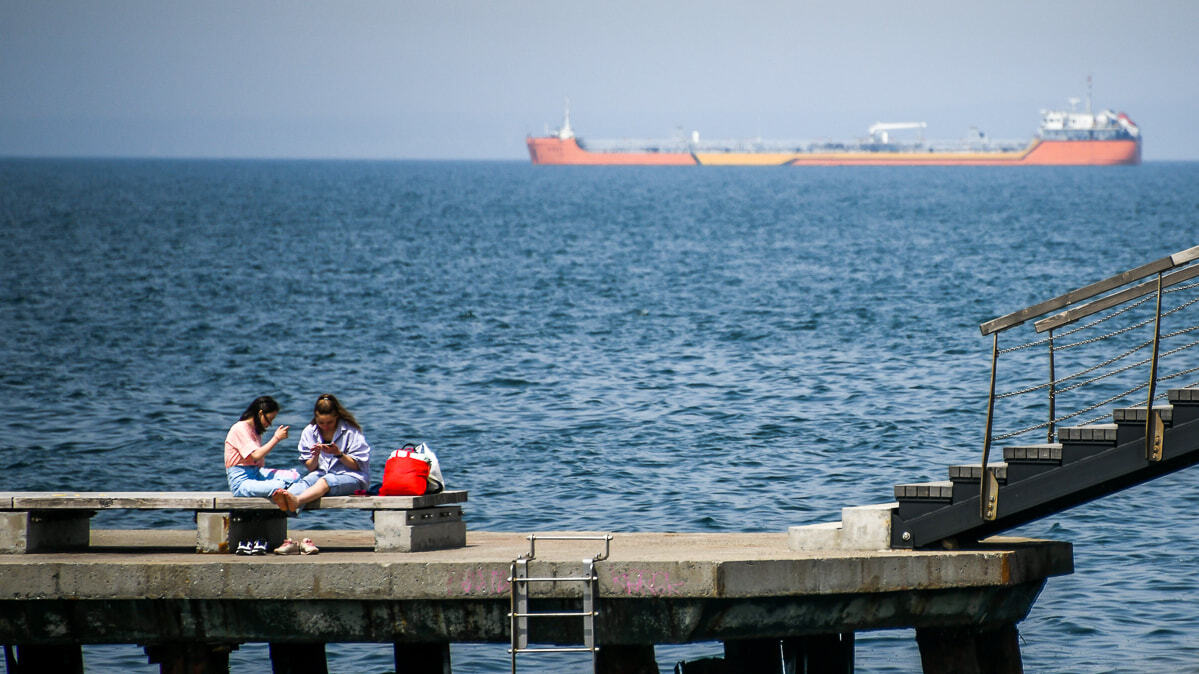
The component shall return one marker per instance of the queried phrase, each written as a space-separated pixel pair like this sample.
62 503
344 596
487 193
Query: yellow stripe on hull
744 158
781 158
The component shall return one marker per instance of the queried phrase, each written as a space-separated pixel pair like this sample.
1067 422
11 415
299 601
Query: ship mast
566 133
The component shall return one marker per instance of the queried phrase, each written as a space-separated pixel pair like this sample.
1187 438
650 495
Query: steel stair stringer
1052 491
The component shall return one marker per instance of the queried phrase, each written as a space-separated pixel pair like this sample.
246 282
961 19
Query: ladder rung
552 614
549 579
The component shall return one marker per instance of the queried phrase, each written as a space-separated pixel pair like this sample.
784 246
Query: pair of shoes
251 548
307 547
289 547
286 500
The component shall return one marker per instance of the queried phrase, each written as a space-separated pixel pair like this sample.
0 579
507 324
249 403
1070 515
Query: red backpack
403 474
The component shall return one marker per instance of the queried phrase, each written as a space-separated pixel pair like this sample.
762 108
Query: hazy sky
467 79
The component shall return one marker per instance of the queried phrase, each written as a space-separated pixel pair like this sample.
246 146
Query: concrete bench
57 521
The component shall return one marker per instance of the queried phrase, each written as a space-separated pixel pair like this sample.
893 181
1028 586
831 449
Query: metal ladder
519 614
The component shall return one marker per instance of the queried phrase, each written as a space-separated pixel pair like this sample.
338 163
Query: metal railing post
1154 428
986 498
1052 392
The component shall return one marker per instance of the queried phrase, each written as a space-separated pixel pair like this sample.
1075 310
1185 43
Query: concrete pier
751 591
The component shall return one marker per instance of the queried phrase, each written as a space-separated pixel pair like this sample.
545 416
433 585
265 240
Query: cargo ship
1064 138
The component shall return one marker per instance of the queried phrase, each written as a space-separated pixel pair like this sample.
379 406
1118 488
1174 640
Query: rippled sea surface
621 349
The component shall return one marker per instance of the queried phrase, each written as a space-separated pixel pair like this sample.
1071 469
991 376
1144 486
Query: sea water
612 349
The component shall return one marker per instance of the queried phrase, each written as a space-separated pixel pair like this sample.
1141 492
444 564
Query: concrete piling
36 659
190 657
298 658
431 658
993 649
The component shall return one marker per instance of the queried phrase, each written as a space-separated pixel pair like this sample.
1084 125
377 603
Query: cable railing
1128 317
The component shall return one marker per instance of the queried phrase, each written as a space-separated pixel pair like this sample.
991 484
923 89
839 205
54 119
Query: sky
466 79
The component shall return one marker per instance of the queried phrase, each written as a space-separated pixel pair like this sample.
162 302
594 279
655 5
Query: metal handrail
988 485
606 538
1116 299
1088 291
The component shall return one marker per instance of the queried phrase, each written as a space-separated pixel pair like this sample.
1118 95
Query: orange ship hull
559 151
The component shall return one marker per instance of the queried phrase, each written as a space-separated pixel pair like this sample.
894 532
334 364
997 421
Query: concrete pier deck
150 587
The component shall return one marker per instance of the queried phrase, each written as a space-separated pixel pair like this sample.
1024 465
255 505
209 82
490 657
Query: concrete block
44 531
861 528
436 528
212 532
867 527
14 532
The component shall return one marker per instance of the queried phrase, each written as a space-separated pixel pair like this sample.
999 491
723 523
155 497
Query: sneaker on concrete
244 548
307 547
259 548
289 547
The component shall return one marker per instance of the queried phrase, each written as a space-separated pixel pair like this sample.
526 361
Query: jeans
340 484
255 481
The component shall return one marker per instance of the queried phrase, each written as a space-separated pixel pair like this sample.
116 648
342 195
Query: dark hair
327 403
264 404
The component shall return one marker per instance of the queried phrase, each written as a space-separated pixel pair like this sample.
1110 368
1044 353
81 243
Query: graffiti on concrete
646 583
481 582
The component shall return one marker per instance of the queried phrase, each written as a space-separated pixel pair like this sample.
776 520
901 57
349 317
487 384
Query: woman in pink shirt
245 456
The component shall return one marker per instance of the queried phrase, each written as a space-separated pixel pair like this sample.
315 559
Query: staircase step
923 497
1095 433
1079 442
965 478
1186 404
925 490
1131 421
973 471
1136 415
1184 395
1026 461
1047 452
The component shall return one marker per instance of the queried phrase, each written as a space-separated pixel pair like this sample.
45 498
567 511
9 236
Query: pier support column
292 658
816 654
819 654
626 659
991 650
754 655
422 658
190 658
67 659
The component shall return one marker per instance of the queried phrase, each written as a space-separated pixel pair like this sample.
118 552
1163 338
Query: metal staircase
1136 331
520 582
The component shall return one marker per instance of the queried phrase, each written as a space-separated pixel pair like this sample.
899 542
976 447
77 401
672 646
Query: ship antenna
1088 94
